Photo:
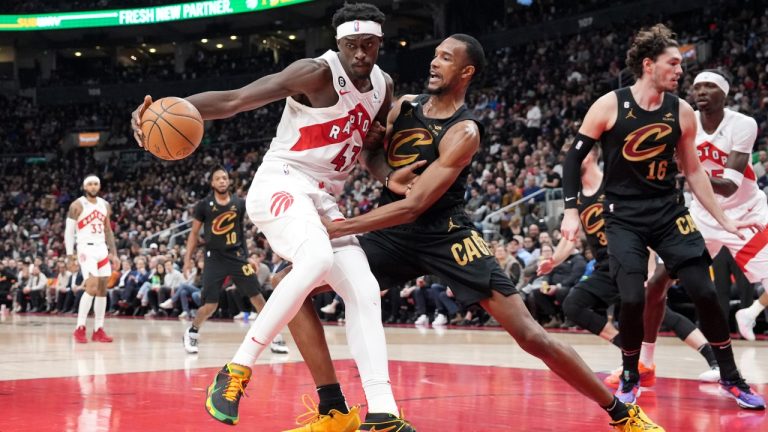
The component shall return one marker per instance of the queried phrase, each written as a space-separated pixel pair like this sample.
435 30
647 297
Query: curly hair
357 11
649 43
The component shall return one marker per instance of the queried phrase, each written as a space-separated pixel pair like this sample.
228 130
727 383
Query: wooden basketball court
444 379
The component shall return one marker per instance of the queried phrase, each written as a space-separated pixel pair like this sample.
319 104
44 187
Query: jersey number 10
231 238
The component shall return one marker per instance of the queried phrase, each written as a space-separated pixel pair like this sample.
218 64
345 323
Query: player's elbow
411 210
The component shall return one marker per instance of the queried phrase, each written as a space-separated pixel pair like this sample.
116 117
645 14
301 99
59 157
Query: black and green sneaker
225 392
384 422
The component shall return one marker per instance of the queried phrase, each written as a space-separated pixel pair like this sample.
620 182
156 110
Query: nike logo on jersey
570 199
343 92
387 429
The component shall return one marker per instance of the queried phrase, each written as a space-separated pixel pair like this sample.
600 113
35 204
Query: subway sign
148 15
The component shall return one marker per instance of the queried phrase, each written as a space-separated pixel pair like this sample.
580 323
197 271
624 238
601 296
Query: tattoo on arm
74 210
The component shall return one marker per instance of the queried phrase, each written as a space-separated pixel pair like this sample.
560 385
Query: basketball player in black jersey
644 131
222 215
428 232
600 291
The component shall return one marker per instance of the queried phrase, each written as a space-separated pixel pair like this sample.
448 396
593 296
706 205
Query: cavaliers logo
634 140
224 223
281 202
405 138
592 218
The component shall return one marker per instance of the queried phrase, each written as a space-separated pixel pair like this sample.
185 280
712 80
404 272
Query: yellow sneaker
636 422
334 421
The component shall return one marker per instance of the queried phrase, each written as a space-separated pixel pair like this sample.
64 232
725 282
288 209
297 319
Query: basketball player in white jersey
331 103
724 141
88 226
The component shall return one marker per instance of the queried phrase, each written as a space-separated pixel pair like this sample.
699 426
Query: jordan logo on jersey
93 216
335 131
633 141
630 115
397 153
281 202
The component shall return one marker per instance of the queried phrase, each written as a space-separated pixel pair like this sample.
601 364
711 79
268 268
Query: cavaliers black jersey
640 148
591 214
416 138
223 225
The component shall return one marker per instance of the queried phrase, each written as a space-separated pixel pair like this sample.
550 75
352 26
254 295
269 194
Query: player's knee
705 293
572 307
534 340
314 260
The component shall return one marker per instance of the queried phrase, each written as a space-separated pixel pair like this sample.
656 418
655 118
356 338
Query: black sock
617 410
331 398
707 352
724 356
617 340
193 329
630 362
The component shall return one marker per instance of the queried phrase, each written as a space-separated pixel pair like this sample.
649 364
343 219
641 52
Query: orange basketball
172 127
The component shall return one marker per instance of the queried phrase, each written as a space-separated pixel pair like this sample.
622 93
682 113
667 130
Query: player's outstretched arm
304 76
730 181
597 121
301 77
457 148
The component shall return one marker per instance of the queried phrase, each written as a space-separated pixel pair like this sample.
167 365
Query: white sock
646 354
82 310
99 308
351 277
754 310
311 264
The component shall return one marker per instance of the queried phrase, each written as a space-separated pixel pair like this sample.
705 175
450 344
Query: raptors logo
633 152
281 202
412 137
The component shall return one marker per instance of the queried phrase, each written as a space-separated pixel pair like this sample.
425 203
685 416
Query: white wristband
734 176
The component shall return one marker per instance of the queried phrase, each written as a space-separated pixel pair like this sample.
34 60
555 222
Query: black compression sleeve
582 144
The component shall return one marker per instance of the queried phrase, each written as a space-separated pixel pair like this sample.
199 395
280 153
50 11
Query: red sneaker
79 335
100 336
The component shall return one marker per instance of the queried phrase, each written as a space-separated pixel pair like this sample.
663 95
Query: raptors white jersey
90 223
324 142
736 132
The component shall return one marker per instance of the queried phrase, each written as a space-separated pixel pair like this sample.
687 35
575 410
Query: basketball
172 127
